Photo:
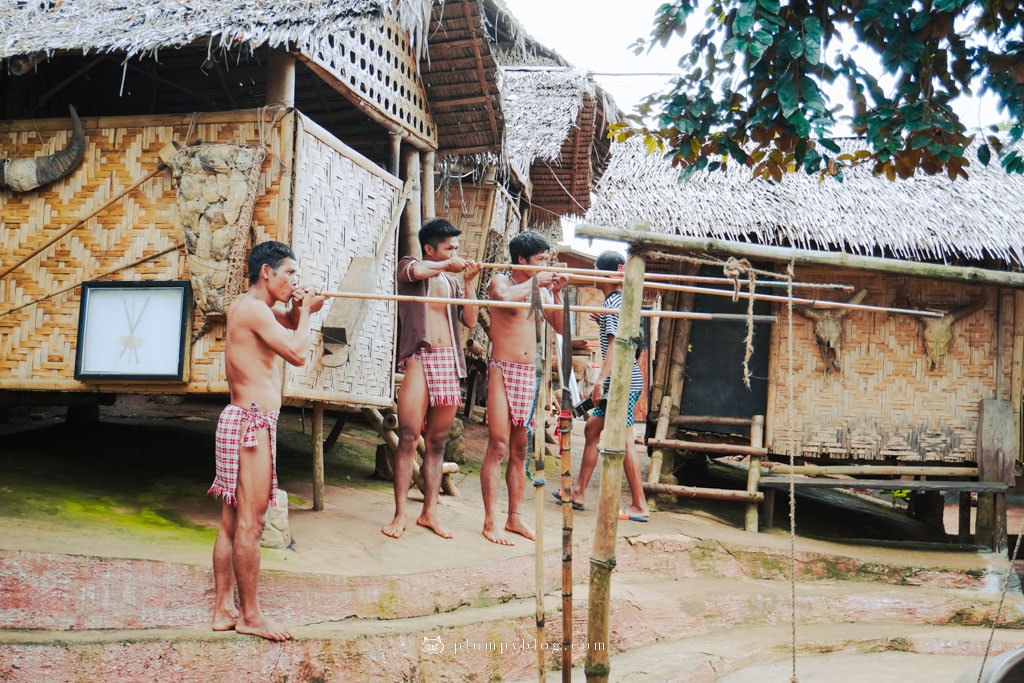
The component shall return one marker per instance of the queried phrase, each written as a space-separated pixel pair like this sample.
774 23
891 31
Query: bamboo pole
692 315
318 456
707 493
750 521
539 410
644 240
565 461
876 470
612 447
774 298
668 277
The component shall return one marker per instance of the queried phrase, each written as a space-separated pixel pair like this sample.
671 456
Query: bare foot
434 526
224 620
517 526
395 529
496 536
264 628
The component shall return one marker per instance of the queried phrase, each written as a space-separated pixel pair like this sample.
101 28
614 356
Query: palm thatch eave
923 218
135 28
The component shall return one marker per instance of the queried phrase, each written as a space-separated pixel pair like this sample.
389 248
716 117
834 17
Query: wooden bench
771 483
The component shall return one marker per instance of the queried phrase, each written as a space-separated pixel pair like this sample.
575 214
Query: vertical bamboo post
754 473
280 79
565 462
612 448
427 174
318 456
539 410
660 432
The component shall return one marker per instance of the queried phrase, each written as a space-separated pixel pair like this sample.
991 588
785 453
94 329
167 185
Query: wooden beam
642 240
724 448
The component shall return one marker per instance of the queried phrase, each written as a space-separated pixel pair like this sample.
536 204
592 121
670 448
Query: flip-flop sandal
633 517
557 495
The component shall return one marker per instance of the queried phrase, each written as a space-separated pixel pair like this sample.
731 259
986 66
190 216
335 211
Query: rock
276 534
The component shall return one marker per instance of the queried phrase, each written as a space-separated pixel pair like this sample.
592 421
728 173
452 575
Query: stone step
500 641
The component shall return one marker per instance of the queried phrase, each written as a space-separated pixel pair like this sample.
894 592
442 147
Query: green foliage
753 87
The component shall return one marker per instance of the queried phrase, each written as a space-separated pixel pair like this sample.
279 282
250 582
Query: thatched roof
924 218
135 27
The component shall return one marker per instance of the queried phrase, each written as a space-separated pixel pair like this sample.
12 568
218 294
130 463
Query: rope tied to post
734 269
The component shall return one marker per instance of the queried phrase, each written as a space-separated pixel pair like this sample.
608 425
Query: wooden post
318 456
412 217
280 79
612 447
754 472
427 174
997 439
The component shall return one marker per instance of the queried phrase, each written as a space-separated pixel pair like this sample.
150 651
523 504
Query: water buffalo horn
22 175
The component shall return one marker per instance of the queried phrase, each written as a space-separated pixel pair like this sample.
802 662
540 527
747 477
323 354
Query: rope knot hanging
734 269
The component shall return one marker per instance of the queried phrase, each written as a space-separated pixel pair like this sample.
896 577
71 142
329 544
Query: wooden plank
727 448
997 441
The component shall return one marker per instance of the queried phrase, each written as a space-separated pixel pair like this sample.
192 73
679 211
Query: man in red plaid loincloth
512 380
430 356
258 331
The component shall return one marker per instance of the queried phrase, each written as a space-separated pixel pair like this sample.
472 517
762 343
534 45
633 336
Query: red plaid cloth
442 374
520 388
236 429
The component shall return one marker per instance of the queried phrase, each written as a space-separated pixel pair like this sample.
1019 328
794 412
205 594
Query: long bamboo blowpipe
693 315
706 279
797 301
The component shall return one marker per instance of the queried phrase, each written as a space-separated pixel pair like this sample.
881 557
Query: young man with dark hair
512 380
258 332
637 511
431 357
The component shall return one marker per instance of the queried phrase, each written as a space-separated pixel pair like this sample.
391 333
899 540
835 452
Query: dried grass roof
926 218
140 27
541 106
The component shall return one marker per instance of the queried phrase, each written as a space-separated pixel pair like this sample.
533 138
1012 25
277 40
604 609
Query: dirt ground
132 485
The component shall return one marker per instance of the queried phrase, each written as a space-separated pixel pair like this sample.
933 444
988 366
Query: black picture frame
134 331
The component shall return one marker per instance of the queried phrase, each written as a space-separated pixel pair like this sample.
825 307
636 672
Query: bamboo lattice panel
343 209
380 67
38 340
886 405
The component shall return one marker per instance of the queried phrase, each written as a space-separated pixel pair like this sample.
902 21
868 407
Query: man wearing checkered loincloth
258 331
430 356
512 380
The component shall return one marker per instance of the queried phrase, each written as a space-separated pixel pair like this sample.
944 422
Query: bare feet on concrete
434 526
395 529
263 627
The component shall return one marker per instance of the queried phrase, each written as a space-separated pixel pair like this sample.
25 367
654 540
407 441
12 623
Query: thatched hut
878 390
201 126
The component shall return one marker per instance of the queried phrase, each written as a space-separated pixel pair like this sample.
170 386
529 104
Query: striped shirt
609 324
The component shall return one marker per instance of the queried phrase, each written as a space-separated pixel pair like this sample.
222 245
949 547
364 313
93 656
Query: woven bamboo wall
39 300
886 405
488 218
344 207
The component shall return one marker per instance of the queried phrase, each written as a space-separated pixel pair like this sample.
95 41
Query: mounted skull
938 332
828 329
22 175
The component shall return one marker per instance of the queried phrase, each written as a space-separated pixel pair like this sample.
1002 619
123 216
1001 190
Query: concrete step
680 620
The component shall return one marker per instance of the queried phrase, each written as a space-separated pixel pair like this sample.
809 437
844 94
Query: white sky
595 35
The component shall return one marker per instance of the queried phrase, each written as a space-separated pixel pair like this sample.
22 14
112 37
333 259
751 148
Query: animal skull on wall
22 175
937 333
828 329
